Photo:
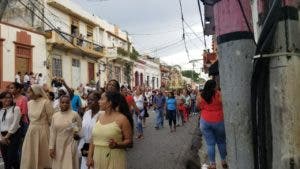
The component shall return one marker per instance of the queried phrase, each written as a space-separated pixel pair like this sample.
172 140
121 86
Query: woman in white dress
88 122
63 137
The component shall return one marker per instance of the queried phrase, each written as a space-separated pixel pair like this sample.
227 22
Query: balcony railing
80 41
76 41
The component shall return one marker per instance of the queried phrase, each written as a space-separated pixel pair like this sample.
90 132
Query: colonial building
147 72
165 71
77 41
21 50
85 40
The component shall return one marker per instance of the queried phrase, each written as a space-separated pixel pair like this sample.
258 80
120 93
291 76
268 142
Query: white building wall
9 33
82 28
58 19
84 71
67 68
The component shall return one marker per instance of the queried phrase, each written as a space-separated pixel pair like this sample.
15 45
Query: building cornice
22 28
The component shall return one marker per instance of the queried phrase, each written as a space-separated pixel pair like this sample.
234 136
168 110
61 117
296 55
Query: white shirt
18 78
12 119
139 101
40 80
88 123
26 78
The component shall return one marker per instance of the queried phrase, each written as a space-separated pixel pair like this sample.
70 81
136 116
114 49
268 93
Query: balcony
75 43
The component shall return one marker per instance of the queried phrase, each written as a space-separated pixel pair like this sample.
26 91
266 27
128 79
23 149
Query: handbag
85 149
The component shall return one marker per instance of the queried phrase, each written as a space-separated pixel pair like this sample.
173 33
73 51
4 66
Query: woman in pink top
212 122
20 100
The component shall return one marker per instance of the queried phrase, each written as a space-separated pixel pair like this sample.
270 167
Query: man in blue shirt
159 103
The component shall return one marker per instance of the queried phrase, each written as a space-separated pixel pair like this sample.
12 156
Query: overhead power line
42 19
165 47
202 22
194 32
183 30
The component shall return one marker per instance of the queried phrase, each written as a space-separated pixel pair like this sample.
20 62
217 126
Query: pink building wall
291 3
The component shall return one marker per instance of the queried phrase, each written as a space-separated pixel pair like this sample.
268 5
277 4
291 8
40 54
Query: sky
155 27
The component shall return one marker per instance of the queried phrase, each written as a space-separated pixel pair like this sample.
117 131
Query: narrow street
161 149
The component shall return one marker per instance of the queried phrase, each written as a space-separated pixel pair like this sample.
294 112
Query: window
56 67
74 27
118 74
89 33
148 80
75 63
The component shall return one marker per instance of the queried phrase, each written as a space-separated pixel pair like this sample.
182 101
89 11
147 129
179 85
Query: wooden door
22 65
91 71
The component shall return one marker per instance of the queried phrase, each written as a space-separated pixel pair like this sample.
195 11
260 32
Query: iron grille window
118 74
75 63
57 67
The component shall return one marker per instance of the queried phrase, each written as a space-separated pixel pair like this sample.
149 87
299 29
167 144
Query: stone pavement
161 149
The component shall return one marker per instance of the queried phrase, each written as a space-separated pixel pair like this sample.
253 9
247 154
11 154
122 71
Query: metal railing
80 41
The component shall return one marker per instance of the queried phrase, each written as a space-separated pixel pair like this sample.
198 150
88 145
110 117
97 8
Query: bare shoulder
121 119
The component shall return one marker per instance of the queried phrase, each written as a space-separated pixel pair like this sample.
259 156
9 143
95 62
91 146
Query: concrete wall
38 51
67 67
58 18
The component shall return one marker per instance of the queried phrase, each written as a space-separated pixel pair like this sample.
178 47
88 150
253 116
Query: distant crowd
64 128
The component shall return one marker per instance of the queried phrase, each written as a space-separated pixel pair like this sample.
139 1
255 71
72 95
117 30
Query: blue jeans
172 117
214 134
159 117
138 121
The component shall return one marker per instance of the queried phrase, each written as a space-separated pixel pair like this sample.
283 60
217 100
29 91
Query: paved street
161 149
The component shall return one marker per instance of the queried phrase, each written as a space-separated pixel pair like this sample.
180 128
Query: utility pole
284 84
235 51
193 62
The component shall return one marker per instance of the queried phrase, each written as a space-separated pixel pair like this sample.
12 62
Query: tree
191 74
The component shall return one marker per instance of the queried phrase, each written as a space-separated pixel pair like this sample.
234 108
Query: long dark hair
117 84
118 102
209 91
17 85
3 95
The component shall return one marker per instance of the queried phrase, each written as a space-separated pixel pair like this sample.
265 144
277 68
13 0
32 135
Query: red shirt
129 100
212 112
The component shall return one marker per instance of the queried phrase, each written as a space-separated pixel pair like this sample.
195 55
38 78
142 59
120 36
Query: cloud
154 24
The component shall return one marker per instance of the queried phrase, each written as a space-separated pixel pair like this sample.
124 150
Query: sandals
224 165
213 166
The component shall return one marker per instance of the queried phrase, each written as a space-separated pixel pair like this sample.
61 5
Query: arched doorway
141 79
136 78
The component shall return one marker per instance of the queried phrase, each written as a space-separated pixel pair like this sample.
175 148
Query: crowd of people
65 128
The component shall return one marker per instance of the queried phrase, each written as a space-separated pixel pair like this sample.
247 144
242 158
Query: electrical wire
202 23
194 32
165 47
54 15
50 25
183 31
246 20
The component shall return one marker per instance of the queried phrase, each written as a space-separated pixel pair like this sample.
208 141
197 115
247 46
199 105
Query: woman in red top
212 122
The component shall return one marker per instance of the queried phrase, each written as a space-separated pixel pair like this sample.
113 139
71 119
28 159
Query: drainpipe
236 48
